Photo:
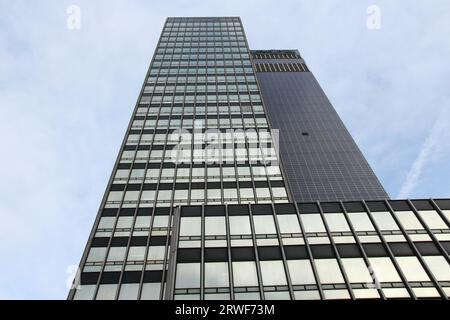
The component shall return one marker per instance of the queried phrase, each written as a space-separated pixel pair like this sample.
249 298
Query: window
156 253
279 192
124 222
273 273
328 270
131 196
230 193
244 274
246 193
409 220
190 226
142 222
160 221
107 292
216 274
361 221
312 223
122 174
239 225
115 196
129 291
264 224
336 222
288 223
214 194
181 195
439 267
116 254
106 222
188 275
263 192
412 269
384 220
96 254
247 296
197 194
85 292
137 173
215 226
301 272
150 291
384 270
432 219
136 253
356 270
307 295
277 295
164 195
148 195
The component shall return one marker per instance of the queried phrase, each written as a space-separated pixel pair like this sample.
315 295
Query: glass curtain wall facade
391 249
321 159
198 135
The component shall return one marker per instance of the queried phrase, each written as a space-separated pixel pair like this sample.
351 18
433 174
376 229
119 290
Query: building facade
199 206
321 160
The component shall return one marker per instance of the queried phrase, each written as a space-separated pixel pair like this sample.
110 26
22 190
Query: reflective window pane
96 254
439 267
328 270
409 220
288 223
240 225
150 291
312 223
244 274
412 269
107 292
383 269
85 292
336 222
432 219
129 291
216 274
273 273
301 272
384 220
356 270
361 221
215 226
264 224
190 226
188 275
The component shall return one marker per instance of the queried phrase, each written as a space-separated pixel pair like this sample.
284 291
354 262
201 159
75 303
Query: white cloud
432 141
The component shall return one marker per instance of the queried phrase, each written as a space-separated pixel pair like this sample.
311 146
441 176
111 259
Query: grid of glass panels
331 250
199 135
320 158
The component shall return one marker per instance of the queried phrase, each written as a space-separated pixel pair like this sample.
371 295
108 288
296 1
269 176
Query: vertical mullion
283 254
361 248
336 252
389 251
255 249
310 255
416 251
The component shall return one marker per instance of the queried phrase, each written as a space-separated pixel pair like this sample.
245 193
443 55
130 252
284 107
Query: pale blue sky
66 98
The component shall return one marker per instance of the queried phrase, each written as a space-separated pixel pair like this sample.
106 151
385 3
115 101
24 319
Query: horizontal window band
281 67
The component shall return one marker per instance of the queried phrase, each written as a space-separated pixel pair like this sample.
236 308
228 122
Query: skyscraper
199 206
